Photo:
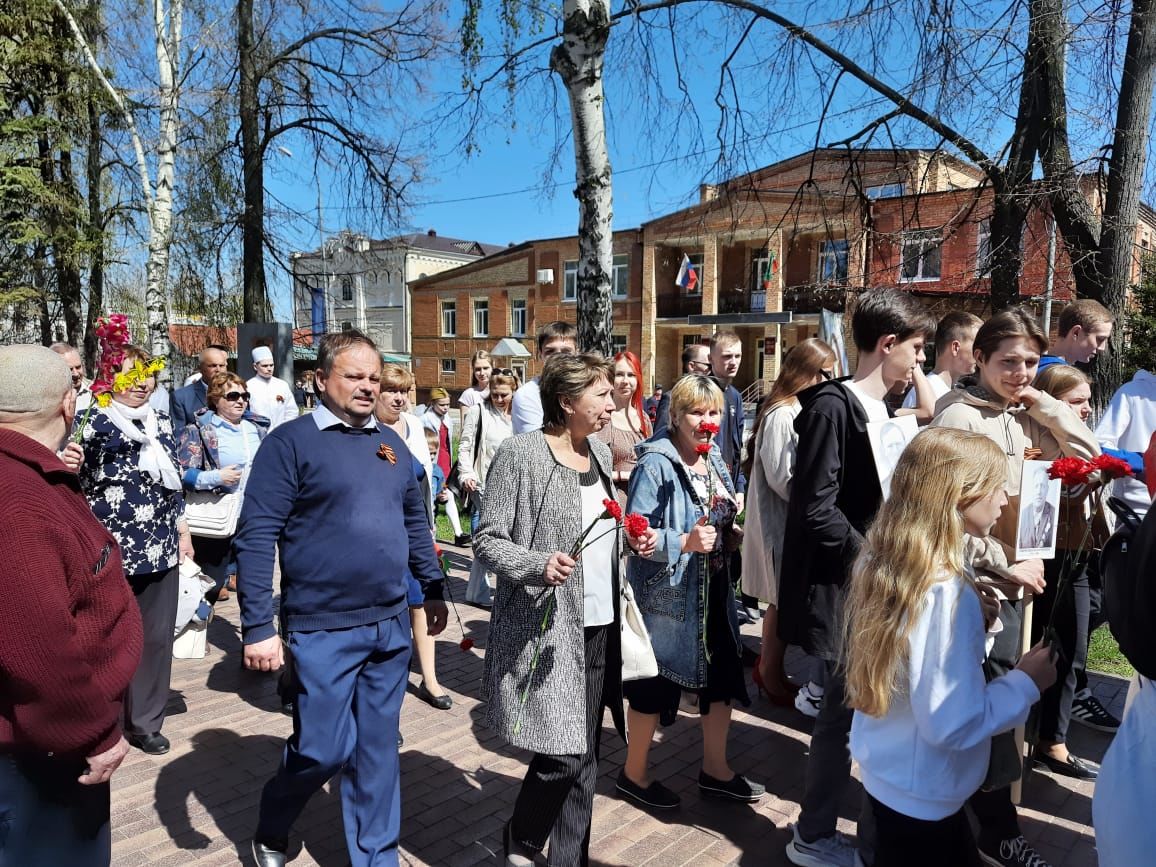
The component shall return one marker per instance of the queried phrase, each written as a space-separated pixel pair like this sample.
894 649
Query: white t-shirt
938 387
876 409
597 559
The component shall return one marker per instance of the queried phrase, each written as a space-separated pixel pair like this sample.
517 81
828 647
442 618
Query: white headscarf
154 460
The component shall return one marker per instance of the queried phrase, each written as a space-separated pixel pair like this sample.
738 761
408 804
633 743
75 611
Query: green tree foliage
42 215
1140 322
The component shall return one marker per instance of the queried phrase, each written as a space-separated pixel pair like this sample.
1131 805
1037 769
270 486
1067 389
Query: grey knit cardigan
532 508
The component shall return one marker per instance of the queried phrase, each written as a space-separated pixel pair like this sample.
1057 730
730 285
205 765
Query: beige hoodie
1049 422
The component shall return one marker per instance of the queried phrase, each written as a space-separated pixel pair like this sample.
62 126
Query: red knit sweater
70 629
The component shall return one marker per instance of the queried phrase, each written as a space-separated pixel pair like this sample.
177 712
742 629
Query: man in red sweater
70 631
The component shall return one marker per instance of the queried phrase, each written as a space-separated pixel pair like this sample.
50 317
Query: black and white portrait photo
1039 509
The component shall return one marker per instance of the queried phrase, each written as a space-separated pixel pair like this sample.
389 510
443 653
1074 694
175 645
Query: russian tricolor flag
687 277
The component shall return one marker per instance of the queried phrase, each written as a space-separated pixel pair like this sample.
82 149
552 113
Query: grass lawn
1104 655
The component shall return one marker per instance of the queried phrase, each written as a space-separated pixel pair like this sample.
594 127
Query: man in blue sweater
336 493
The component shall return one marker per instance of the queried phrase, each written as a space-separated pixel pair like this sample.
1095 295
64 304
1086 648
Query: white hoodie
930 752
1128 425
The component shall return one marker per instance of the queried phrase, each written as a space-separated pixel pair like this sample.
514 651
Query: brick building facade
511 294
771 249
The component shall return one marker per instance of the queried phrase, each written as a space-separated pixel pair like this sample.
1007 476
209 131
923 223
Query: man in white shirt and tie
269 396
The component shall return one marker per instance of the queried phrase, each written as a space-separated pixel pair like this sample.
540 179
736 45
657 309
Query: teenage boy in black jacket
834 495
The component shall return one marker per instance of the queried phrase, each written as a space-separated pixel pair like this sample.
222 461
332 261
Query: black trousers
994 809
48 818
1096 618
901 841
148 693
213 556
1072 609
556 801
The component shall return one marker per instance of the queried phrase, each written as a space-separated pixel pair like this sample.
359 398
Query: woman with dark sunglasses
215 454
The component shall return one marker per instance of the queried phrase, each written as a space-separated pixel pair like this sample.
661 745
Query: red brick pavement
198 804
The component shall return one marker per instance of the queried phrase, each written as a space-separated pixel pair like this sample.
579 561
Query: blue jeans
47 817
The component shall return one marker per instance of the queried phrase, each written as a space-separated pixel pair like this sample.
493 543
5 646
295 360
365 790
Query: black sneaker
1012 853
737 788
1087 710
656 795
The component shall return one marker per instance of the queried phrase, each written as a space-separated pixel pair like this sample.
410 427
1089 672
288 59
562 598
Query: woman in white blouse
486 426
770 465
481 368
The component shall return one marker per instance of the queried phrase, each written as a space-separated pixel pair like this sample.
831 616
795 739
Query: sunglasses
238 395
503 371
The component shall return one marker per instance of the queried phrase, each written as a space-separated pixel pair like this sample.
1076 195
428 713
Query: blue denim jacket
669 585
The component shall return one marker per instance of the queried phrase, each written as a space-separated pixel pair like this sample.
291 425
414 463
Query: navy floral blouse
140 513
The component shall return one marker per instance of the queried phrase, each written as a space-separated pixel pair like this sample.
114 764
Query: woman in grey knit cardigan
544 489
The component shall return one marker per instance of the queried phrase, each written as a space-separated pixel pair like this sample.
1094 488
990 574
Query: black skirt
725 679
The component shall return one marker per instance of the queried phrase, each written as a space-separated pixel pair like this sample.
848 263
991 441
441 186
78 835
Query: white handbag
214 515
638 660
211 514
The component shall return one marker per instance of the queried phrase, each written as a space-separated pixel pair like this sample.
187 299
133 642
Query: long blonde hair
915 540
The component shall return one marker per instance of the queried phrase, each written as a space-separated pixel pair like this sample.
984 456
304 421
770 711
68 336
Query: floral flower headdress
114 336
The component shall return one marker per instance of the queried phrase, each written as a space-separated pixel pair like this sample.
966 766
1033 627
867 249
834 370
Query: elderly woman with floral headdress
131 478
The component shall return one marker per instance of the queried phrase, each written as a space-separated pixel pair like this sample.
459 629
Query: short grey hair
33 380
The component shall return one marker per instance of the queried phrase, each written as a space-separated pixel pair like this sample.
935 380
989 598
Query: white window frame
346 288
448 367
346 325
480 329
830 252
620 273
570 280
983 248
927 240
884 191
449 309
522 312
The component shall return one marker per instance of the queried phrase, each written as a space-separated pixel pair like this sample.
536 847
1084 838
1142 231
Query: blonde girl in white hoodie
915 643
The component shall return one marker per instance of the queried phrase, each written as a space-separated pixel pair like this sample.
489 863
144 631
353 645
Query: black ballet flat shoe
737 788
441 702
1073 766
656 795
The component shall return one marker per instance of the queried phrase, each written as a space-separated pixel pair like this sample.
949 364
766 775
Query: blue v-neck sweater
347 521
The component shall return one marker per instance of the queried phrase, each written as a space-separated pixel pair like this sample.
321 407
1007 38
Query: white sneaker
834 851
809 699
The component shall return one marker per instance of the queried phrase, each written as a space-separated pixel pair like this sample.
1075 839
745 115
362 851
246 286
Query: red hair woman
629 424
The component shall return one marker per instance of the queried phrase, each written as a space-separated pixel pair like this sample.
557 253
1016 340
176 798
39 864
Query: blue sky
511 190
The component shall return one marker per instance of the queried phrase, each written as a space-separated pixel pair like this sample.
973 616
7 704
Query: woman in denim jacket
687 596
216 453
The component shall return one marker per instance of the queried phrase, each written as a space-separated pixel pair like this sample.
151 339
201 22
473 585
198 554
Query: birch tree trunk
158 194
578 62
168 46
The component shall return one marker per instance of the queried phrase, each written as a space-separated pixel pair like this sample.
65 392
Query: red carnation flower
703 448
466 644
636 525
707 427
1111 467
613 509
1071 471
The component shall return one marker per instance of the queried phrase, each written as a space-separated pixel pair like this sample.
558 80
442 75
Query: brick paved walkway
198 804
